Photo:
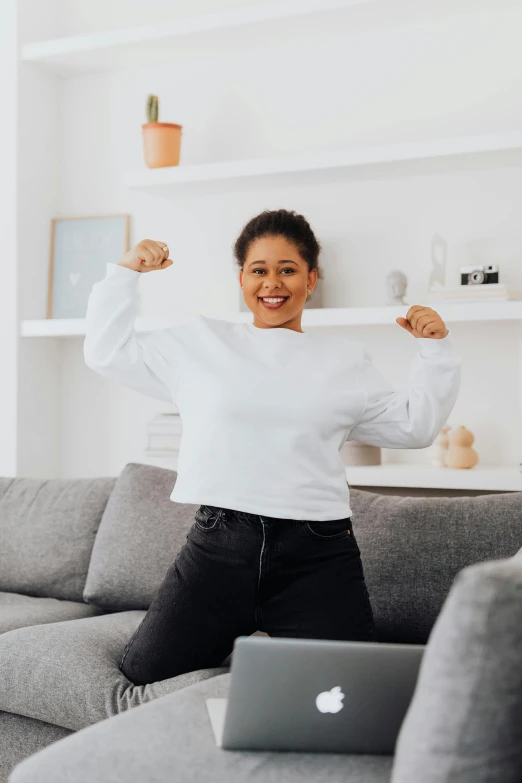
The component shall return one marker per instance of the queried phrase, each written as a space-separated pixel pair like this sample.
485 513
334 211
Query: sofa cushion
140 534
465 717
18 611
20 737
413 547
172 739
47 531
67 673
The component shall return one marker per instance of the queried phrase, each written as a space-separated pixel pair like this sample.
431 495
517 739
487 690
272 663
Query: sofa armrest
463 724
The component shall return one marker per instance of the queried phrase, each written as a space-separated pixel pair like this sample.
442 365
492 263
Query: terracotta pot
161 144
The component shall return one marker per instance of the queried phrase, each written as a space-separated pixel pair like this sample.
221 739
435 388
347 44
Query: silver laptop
315 695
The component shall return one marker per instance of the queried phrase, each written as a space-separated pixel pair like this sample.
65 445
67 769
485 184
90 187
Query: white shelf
158 42
326 316
271 22
73 327
433 155
481 477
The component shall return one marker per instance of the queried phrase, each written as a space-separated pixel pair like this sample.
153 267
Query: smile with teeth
273 301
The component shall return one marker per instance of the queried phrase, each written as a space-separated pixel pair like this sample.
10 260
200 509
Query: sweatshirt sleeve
410 418
149 362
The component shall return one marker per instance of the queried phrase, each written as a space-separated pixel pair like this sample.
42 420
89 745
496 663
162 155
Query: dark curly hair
280 222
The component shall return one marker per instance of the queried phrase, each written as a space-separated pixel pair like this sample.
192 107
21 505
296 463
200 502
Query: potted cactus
161 140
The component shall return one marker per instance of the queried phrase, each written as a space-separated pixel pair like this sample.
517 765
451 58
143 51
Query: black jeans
240 572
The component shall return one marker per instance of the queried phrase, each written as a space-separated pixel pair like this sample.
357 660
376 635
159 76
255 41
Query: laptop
315 695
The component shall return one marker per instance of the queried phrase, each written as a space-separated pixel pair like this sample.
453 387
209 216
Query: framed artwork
80 250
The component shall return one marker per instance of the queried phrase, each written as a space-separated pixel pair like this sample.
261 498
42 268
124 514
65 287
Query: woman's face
274 268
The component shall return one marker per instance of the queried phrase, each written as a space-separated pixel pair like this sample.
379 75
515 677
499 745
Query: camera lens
477 276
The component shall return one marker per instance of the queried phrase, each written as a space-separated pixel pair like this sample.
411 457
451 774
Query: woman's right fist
146 256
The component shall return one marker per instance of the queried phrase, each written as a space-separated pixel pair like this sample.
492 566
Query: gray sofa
80 561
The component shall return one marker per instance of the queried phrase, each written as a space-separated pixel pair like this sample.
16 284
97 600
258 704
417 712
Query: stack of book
485 292
164 435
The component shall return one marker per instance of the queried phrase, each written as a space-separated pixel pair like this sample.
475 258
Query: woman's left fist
423 322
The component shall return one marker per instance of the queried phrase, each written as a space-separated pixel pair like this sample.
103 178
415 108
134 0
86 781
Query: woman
266 408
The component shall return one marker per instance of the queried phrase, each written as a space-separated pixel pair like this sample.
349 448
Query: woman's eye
286 269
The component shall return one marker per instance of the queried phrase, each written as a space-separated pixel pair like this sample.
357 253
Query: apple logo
330 701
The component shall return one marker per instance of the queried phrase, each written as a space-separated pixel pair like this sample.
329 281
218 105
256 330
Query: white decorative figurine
396 282
440 447
439 254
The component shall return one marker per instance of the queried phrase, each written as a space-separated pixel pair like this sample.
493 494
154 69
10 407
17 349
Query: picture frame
80 249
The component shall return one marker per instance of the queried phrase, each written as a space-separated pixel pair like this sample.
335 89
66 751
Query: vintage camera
474 275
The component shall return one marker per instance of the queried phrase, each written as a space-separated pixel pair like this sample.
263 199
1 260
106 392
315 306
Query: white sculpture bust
396 283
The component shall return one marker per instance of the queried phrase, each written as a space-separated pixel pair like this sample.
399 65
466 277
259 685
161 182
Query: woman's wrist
127 266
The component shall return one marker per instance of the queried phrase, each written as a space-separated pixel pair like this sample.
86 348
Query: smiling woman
266 409
277 254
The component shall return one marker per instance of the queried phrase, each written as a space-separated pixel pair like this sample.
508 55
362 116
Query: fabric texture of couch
463 725
60 644
465 718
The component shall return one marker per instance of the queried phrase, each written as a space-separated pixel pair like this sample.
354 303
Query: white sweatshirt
265 411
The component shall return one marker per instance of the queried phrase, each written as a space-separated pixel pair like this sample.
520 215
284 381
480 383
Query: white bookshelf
373 160
160 42
451 312
500 478
481 477
45 366
169 181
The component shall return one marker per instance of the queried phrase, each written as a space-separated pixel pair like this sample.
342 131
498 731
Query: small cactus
152 108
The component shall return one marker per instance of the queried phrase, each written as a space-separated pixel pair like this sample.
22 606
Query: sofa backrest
413 547
140 534
47 531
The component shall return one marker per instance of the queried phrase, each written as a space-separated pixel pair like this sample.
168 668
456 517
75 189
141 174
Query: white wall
77 17
458 77
8 247
39 121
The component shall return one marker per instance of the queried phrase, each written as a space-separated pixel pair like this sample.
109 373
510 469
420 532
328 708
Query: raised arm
148 362
410 418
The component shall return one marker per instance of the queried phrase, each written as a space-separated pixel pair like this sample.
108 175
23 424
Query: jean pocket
330 529
208 517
